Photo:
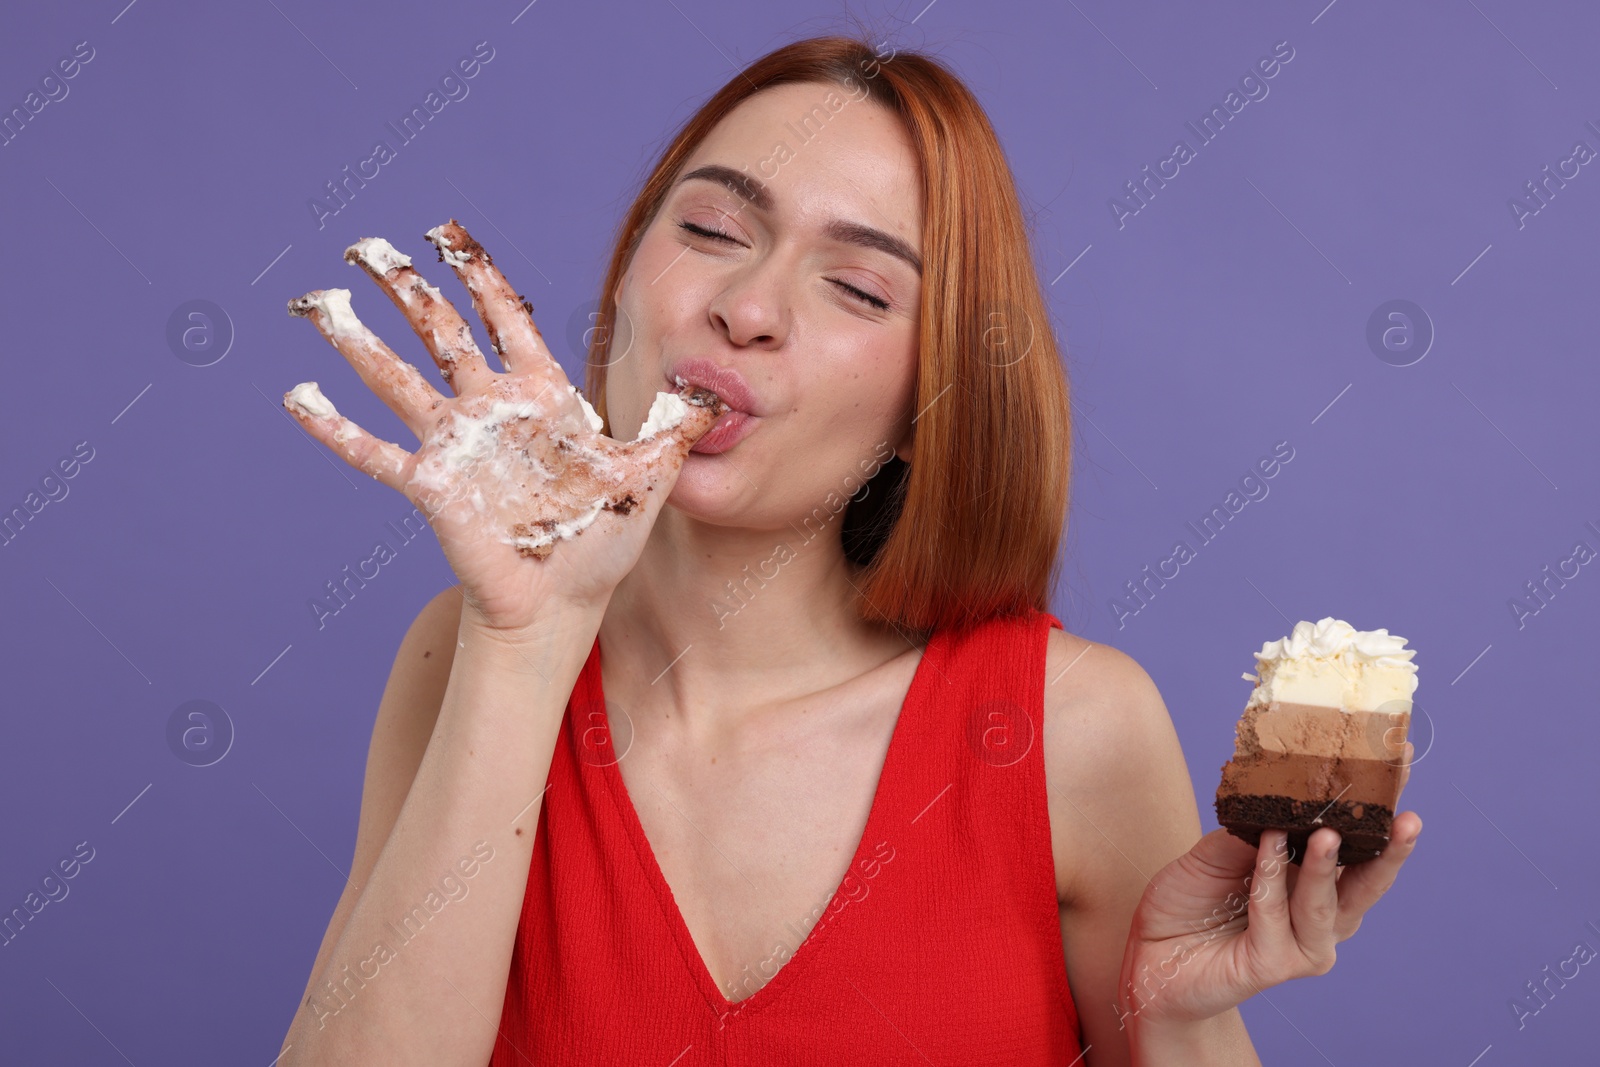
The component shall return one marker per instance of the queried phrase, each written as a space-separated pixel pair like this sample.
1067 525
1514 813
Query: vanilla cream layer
1332 663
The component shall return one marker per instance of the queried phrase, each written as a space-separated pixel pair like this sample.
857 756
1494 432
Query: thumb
675 422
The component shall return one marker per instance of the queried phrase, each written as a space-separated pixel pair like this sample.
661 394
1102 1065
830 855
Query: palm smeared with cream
527 497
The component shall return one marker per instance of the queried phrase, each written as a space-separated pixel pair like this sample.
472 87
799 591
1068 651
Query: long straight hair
971 526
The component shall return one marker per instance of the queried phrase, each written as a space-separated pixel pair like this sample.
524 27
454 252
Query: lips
731 427
726 382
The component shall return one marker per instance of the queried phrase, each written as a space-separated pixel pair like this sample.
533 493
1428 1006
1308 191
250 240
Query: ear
902 451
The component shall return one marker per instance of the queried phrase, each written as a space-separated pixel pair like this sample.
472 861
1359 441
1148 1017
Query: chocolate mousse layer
1313 778
1299 766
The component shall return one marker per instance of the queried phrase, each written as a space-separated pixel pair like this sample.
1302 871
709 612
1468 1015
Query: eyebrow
756 193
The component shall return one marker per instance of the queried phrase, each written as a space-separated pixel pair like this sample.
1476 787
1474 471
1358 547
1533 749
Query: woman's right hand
529 500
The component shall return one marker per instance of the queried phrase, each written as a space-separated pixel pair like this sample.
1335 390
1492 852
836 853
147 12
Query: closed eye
718 235
703 232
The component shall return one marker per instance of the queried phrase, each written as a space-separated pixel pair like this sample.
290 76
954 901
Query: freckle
519 831
425 655
713 759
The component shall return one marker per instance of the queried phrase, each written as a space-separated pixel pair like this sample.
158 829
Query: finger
1363 883
625 479
1314 901
382 459
444 333
653 461
1405 768
1268 930
509 318
397 383
675 422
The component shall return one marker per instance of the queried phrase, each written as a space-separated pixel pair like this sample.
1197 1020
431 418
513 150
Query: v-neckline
715 999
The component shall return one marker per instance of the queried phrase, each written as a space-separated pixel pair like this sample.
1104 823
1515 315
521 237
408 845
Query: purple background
1229 314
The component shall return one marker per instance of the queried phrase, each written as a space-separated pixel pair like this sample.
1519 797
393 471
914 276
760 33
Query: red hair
971 527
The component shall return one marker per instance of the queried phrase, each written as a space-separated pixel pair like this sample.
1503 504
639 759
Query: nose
752 310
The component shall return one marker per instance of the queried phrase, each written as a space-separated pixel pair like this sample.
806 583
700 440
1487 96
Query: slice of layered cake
1322 739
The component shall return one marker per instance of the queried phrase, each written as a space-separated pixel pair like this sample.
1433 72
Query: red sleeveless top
942 943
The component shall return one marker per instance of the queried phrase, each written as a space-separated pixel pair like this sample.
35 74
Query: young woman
798 769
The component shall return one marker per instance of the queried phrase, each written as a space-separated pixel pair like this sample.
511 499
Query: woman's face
804 300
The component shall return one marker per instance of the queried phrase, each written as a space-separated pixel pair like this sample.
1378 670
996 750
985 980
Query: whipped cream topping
476 435
335 306
378 254
308 399
666 411
1333 664
383 257
589 414
442 243
566 529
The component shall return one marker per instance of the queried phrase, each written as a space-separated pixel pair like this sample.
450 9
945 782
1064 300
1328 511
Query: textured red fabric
941 945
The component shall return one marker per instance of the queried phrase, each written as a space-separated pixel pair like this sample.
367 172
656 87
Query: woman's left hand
1203 941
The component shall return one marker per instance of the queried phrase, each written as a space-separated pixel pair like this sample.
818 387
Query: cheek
868 397
885 384
661 291
647 263
661 266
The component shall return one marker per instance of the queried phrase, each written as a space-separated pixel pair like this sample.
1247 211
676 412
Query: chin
712 491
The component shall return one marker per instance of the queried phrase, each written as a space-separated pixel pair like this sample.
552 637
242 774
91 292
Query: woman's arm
417 972
1205 929
436 997
1121 808
406 716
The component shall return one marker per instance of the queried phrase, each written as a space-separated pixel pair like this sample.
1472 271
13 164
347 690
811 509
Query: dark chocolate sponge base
1363 828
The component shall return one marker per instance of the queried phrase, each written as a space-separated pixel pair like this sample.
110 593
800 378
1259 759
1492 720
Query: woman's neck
716 621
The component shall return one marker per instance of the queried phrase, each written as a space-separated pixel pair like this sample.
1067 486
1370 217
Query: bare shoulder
1120 797
1085 680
